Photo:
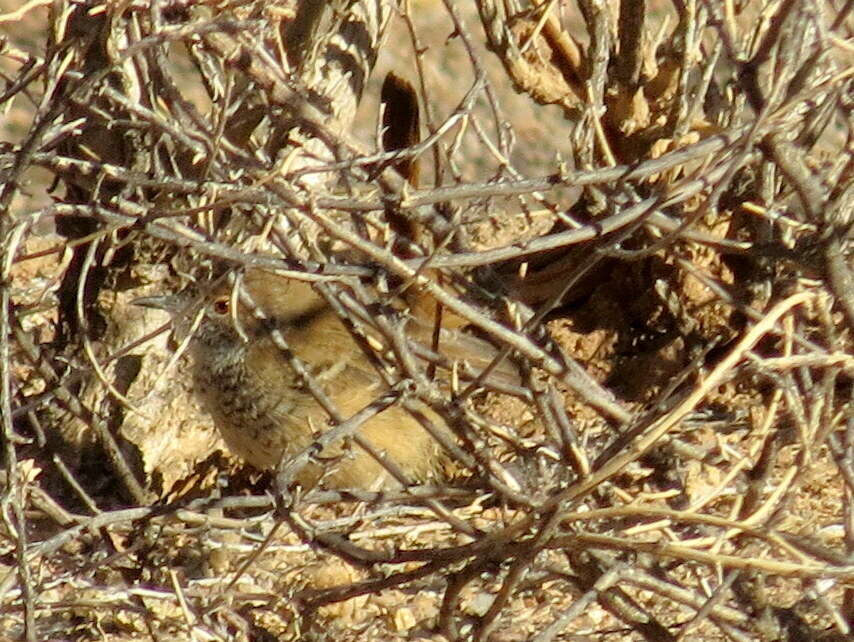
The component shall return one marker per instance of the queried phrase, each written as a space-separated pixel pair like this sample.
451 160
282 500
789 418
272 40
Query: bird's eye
220 306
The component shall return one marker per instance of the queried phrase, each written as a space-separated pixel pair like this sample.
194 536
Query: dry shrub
654 227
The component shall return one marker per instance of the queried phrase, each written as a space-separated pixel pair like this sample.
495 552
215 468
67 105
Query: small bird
262 406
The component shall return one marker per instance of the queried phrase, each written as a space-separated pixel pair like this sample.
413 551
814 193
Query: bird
262 406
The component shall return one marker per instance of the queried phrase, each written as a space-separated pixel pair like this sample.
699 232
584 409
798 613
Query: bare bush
645 208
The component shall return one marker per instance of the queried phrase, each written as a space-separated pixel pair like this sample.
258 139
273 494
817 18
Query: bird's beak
180 308
171 303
